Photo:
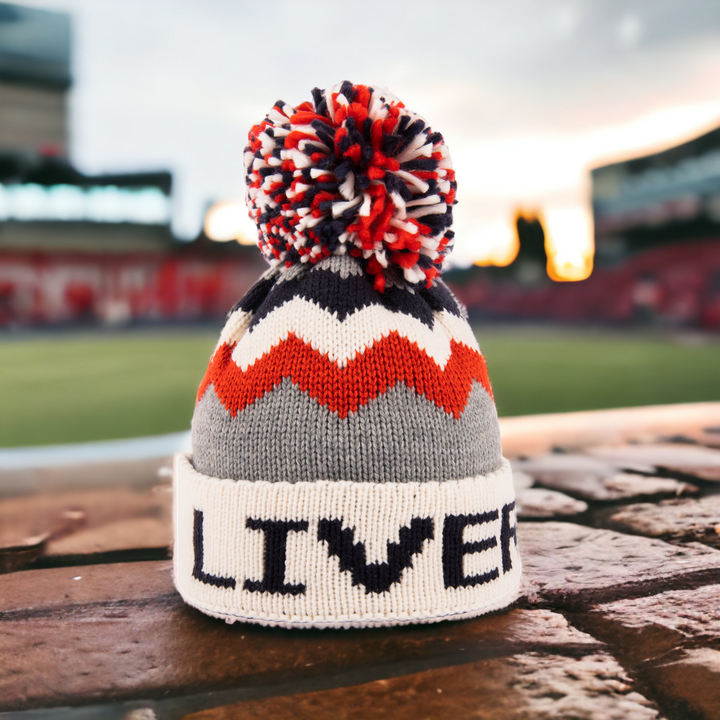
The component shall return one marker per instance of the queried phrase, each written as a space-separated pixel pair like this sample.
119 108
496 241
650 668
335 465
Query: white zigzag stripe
235 327
342 341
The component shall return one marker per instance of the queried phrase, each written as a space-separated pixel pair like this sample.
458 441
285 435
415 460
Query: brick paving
619 615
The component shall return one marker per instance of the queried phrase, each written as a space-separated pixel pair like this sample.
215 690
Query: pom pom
352 172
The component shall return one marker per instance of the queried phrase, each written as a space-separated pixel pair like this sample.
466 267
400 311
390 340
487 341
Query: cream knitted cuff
345 554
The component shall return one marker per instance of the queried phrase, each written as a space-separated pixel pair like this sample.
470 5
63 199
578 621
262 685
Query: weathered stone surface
105 634
708 437
563 562
141 714
620 486
691 683
35 514
131 534
670 636
120 634
35 592
16 555
521 480
553 463
687 519
650 629
90 521
674 637
667 636
595 479
700 462
541 503
693 614
523 687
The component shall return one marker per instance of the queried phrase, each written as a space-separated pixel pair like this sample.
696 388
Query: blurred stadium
78 248
87 251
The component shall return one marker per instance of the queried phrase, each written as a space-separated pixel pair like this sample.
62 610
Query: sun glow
496 243
569 243
227 221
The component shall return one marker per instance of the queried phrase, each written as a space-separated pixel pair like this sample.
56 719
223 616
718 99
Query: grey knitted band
309 442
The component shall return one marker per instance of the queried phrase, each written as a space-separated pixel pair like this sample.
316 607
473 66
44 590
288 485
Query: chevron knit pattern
346 468
328 348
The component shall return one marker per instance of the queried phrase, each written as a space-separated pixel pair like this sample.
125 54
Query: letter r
507 532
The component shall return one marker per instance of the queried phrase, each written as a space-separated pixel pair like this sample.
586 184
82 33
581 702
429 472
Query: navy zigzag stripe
345 296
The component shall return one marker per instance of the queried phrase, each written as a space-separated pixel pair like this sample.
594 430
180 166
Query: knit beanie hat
346 467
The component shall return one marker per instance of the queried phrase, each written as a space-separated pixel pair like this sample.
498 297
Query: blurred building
657 241
658 199
34 79
660 214
46 204
78 248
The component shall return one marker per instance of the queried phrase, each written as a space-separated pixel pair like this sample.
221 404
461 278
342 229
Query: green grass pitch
81 387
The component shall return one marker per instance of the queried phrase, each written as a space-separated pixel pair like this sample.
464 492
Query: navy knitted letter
454 549
275 556
376 577
199 548
507 531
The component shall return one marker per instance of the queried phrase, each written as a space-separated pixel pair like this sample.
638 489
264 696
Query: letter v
376 577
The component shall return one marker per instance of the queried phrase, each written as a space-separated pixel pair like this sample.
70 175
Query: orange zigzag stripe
343 390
